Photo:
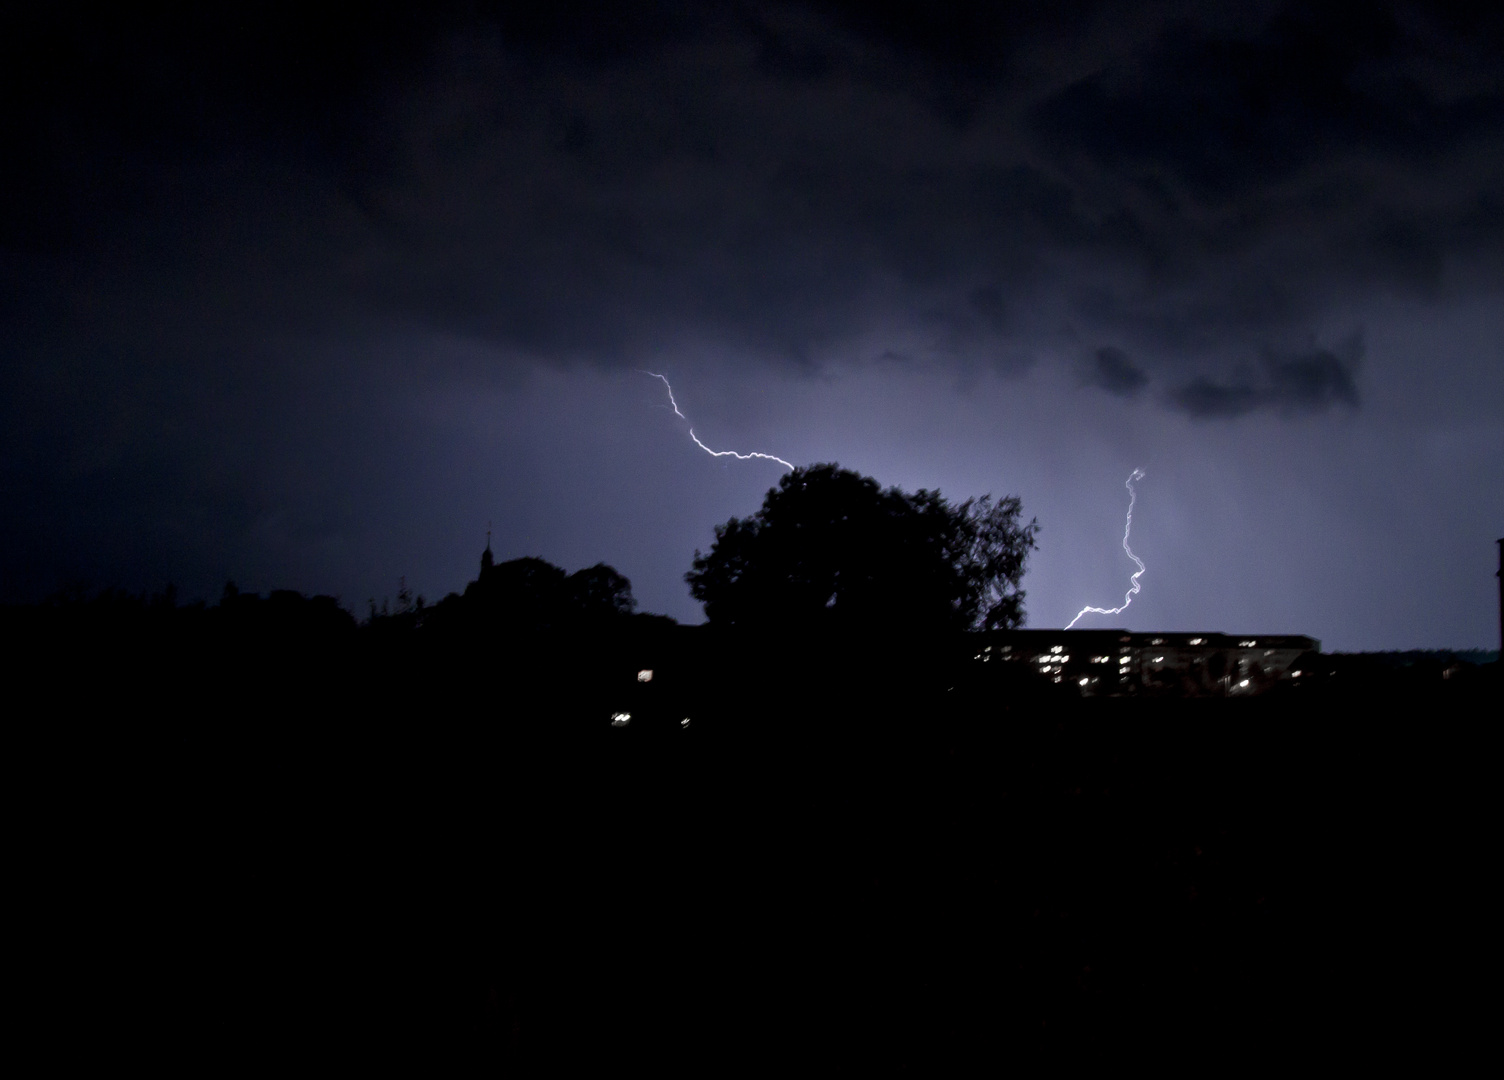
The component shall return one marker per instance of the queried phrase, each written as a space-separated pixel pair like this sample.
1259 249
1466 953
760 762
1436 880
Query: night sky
307 303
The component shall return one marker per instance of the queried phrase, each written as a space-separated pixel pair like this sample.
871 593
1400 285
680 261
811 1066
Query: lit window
621 719
1294 674
1057 648
1085 681
684 723
1243 683
1159 659
1157 641
1196 640
645 675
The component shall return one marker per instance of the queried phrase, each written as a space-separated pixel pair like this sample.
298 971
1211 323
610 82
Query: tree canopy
533 594
829 544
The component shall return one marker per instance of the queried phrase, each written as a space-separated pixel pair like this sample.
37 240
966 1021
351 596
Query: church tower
485 556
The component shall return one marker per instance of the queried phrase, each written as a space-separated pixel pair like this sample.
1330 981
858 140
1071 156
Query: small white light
684 723
1294 674
1243 683
621 719
645 675
1057 648
1085 681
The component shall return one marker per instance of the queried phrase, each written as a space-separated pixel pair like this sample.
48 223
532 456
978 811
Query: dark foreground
457 867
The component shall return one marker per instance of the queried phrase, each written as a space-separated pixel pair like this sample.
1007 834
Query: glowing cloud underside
713 453
1137 474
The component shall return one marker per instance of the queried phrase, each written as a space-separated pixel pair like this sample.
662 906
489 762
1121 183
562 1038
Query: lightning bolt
713 453
1137 474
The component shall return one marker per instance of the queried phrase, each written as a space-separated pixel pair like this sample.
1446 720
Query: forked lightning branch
1137 474
713 453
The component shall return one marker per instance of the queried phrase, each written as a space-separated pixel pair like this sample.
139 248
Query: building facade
1116 662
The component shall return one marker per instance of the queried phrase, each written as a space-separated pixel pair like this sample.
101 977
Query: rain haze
313 305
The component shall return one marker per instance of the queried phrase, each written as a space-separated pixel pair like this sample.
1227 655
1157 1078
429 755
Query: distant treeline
127 616
518 596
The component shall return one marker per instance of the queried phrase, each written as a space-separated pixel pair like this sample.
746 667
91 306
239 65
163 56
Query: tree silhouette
831 545
522 592
529 594
600 591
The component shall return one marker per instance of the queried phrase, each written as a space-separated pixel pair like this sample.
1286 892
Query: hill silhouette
262 827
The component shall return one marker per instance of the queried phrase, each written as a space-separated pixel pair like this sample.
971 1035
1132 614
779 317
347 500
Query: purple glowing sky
308 306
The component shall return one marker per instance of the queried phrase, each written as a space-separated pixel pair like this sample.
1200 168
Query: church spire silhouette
485 556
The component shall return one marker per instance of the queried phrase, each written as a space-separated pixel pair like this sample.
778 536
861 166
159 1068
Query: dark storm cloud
1313 381
1111 370
780 178
1227 113
1207 192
